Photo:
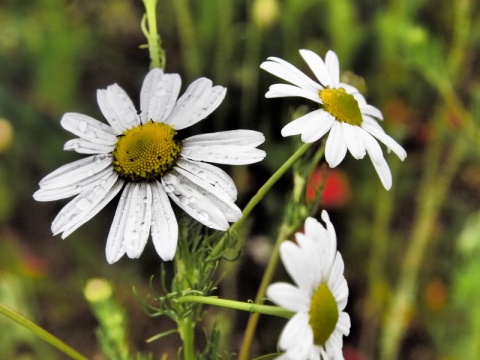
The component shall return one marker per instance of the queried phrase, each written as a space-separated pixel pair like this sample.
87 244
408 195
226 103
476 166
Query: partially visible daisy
319 297
343 111
144 153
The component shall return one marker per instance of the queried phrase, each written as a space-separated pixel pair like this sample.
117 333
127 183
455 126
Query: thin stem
41 333
186 328
237 305
217 250
157 55
284 233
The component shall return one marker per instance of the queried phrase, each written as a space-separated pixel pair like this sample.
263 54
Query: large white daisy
319 297
343 111
143 152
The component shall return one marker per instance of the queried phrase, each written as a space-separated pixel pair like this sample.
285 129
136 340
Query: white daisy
343 111
315 331
144 153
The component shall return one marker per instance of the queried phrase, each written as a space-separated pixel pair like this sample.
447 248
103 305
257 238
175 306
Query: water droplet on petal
83 204
184 200
82 126
203 216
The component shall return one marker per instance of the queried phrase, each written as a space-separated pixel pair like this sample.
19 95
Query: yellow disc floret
146 152
323 314
341 105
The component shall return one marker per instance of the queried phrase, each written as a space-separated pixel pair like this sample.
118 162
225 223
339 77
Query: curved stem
41 333
217 250
237 305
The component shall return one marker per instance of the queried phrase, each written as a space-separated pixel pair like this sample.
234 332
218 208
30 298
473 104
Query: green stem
41 333
237 305
284 233
217 250
157 55
186 328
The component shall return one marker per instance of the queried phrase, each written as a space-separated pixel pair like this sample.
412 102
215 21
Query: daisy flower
144 155
319 297
343 111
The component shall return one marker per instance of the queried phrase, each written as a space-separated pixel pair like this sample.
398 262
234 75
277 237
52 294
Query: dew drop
83 204
203 216
82 126
184 200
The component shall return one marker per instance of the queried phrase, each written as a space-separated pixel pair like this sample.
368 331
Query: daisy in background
315 332
143 152
343 111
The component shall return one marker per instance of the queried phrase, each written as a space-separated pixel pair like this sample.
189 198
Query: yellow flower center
146 152
323 314
341 105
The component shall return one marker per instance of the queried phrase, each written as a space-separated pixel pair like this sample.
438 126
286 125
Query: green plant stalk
186 329
216 251
191 54
237 305
157 55
432 193
41 333
283 234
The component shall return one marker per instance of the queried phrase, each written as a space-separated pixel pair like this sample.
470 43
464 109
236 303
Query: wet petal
199 100
211 174
115 248
323 124
139 220
333 66
76 171
89 129
196 204
164 224
83 146
159 95
353 140
84 206
117 108
233 137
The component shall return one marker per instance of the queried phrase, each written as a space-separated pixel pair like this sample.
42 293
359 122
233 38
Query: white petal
318 67
89 128
324 123
196 204
83 146
289 297
352 90
211 174
105 199
370 121
384 173
233 137
305 123
285 90
290 73
115 248
368 109
164 224
344 324
312 260
373 148
297 335
353 140
292 258
215 194
76 171
223 148
77 211
75 188
335 148
199 100
117 108
333 66
387 140
139 220
158 96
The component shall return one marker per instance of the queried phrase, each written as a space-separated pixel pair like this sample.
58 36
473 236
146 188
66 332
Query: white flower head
143 152
343 111
315 331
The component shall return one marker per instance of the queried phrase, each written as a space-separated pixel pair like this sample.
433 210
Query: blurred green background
418 61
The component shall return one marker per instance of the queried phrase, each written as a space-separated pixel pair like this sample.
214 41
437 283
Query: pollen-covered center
146 152
323 314
341 105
